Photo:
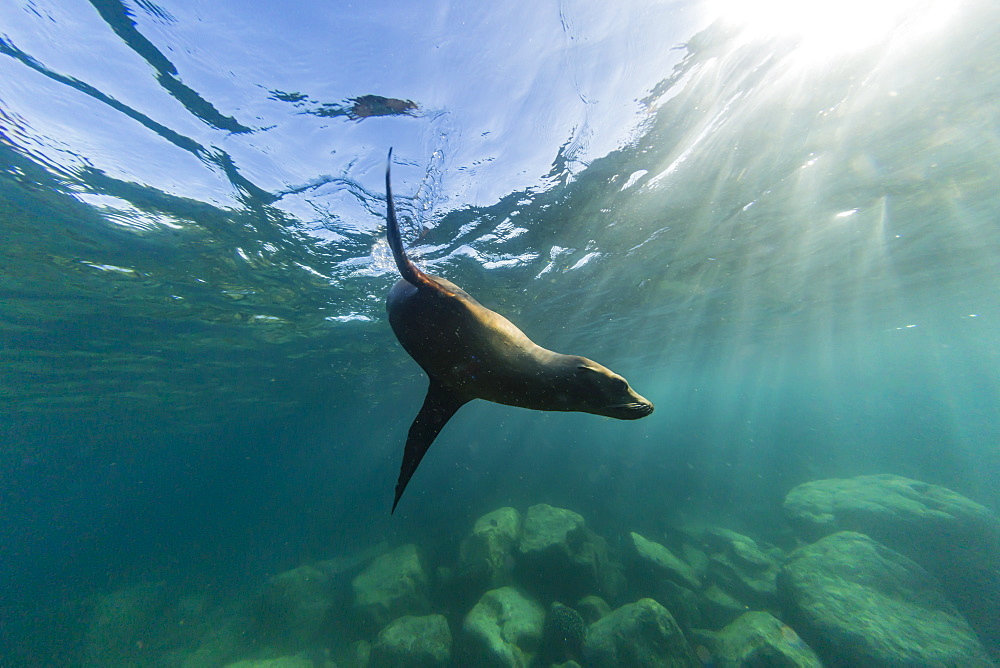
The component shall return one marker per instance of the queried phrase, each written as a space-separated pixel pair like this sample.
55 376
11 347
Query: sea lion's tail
406 268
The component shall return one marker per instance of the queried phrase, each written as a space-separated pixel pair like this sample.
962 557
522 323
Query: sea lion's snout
644 408
607 393
629 411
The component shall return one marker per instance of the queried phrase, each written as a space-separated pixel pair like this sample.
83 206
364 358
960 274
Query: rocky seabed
882 571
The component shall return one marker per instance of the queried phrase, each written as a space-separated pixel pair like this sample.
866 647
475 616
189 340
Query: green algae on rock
955 538
896 511
413 642
860 603
504 629
746 570
560 557
295 605
683 604
592 608
636 635
485 556
295 661
393 585
758 639
652 560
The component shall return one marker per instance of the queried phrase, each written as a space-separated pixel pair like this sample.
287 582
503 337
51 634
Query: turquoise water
794 255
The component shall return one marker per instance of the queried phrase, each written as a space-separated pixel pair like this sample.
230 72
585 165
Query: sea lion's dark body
470 352
479 354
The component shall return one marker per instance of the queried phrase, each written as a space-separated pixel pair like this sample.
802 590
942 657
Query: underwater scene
258 412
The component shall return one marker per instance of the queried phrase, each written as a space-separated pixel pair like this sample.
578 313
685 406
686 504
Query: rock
744 548
740 566
563 635
413 642
681 602
561 558
638 634
297 661
757 639
718 608
893 510
226 640
121 622
859 603
592 608
504 629
294 607
486 555
955 538
756 587
650 560
347 565
696 558
134 624
360 653
393 585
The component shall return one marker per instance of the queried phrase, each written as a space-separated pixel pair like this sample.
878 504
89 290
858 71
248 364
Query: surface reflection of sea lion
470 352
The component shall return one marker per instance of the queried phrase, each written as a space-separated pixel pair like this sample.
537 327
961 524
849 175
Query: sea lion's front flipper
439 405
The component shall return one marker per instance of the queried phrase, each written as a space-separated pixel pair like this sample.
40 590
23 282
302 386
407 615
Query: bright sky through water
500 89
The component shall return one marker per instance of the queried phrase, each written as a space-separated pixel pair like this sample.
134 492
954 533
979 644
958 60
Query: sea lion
470 352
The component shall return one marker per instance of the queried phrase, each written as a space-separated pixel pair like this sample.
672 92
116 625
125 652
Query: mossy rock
651 560
393 585
859 603
486 554
757 639
504 629
413 642
636 635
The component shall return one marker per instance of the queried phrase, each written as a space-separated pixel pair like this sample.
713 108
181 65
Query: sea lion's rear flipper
407 269
439 405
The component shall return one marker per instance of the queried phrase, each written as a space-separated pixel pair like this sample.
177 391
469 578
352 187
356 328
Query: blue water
795 256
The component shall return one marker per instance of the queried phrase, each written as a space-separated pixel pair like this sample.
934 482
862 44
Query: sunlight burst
832 27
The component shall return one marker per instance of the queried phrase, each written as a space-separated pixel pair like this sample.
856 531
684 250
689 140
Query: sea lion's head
599 390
